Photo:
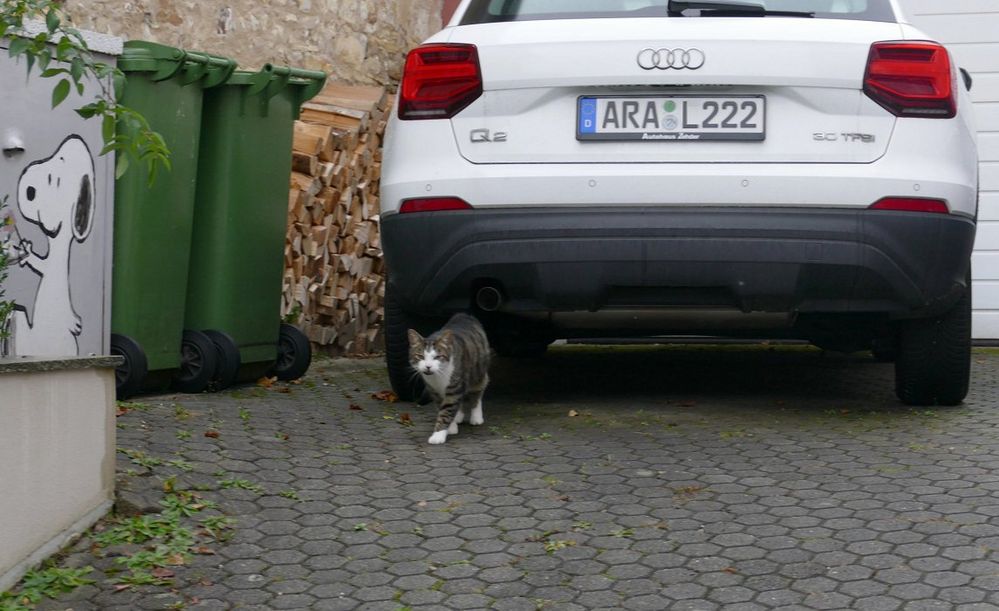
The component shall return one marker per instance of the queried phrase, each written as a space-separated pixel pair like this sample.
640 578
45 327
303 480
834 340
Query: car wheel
933 363
129 376
406 383
198 361
885 350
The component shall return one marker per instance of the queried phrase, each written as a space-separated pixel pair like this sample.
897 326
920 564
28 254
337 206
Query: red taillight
439 81
911 79
434 204
912 204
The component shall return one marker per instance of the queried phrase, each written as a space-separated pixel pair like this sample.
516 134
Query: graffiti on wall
57 196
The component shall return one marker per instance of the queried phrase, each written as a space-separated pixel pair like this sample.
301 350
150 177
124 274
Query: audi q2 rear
779 169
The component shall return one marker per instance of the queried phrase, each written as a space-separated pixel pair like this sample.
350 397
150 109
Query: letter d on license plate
676 118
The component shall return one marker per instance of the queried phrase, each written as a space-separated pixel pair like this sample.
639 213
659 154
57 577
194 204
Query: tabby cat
454 364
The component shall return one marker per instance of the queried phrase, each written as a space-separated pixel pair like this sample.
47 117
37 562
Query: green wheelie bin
153 223
237 256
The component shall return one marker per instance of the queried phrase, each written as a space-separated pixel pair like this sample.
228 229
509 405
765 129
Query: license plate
671 118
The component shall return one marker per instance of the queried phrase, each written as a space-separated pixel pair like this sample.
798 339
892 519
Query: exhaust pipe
489 299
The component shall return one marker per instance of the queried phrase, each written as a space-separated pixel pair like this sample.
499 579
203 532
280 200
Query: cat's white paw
438 438
475 418
453 428
459 417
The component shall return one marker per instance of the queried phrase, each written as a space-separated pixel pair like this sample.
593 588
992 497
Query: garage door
971 29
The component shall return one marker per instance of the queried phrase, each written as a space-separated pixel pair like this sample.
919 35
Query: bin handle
171 68
282 75
217 69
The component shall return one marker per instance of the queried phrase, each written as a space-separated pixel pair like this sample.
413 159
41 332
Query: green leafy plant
241 484
216 526
44 583
6 307
61 53
141 458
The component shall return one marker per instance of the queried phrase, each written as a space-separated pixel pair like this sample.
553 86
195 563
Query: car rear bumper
777 259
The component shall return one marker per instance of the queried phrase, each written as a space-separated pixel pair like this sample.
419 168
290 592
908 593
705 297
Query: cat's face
429 357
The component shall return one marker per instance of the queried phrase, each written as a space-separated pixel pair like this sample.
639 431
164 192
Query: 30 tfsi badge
679 118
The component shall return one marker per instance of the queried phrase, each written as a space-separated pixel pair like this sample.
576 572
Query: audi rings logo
670 59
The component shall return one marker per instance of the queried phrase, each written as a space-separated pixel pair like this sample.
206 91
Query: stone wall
359 41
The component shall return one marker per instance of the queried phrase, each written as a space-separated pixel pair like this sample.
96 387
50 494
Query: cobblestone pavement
614 478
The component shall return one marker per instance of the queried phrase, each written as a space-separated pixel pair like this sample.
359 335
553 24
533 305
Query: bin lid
271 80
166 62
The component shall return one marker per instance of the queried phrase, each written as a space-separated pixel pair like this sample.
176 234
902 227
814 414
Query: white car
755 168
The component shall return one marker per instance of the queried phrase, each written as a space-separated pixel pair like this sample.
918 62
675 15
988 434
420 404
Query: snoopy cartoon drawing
57 195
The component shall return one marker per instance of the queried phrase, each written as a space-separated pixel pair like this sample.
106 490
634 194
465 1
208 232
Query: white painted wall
970 28
57 460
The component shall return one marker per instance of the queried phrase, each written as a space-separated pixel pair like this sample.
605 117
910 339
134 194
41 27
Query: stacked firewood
334 281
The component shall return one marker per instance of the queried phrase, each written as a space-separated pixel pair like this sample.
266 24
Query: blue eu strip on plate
587 116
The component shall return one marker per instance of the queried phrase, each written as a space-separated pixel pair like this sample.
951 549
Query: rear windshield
491 11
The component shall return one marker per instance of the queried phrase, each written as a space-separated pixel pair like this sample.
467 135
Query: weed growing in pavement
44 583
218 527
141 458
241 484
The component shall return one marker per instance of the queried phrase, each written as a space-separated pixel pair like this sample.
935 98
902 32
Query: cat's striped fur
454 364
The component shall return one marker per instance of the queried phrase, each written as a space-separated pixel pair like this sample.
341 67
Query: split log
334 271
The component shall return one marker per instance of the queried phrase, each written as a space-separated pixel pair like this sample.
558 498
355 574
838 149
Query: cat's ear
415 338
446 340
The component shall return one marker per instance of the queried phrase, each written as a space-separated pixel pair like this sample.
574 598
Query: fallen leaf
573 413
122 411
285 390
203 551
296 382
176 560
266 382
731 570
212 434
405 418
355 407
385 395
162 573
121 587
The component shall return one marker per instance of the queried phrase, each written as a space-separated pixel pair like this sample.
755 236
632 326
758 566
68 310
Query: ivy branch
6 307
60 52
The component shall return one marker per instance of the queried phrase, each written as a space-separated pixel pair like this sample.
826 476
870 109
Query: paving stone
794 481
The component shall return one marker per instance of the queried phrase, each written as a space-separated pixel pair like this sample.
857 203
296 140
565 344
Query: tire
406 384
933 363
228 360
198 362
130 375
294 354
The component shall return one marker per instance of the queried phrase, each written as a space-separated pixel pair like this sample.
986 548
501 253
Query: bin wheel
129 376
228 360
294 354
198 361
